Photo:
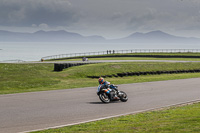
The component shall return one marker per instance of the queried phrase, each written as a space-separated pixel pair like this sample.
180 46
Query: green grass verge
17 78
134 58
91 57
183 119
113 68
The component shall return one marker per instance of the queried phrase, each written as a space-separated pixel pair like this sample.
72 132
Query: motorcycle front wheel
104 98
123 96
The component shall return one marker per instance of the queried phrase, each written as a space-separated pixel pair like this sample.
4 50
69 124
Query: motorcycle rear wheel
104 98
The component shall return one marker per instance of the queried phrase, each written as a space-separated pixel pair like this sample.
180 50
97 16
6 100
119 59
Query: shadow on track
103 103
96 103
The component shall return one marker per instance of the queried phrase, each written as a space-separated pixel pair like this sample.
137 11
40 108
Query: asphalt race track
48 109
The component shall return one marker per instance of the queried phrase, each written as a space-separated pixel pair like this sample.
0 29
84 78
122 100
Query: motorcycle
111 94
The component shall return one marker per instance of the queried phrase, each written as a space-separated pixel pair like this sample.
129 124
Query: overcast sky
108 18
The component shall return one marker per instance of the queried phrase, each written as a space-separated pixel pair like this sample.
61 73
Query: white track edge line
135 112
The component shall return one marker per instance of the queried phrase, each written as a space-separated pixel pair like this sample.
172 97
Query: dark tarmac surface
47 109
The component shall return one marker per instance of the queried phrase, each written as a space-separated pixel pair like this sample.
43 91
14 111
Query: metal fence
71 55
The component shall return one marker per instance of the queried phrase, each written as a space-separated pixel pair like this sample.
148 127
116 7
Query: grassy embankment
114 57
183 119
16 78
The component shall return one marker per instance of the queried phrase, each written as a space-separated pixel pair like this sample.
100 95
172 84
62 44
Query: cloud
102 17
44 26
28 12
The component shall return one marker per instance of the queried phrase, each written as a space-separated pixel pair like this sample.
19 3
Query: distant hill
47 36
156 37
64 36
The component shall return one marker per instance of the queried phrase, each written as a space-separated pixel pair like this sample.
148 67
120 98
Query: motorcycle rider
105 85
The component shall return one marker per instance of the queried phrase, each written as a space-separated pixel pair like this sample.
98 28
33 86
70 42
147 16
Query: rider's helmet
101 80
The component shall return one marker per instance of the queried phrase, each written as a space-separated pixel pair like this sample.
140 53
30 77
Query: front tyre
123 96
104 98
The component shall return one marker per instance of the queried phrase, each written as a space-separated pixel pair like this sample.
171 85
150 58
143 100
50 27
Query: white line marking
131 113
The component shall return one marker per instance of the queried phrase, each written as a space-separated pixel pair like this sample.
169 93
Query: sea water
34 51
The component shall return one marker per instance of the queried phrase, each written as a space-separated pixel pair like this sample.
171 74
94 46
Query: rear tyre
104 98
123 96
